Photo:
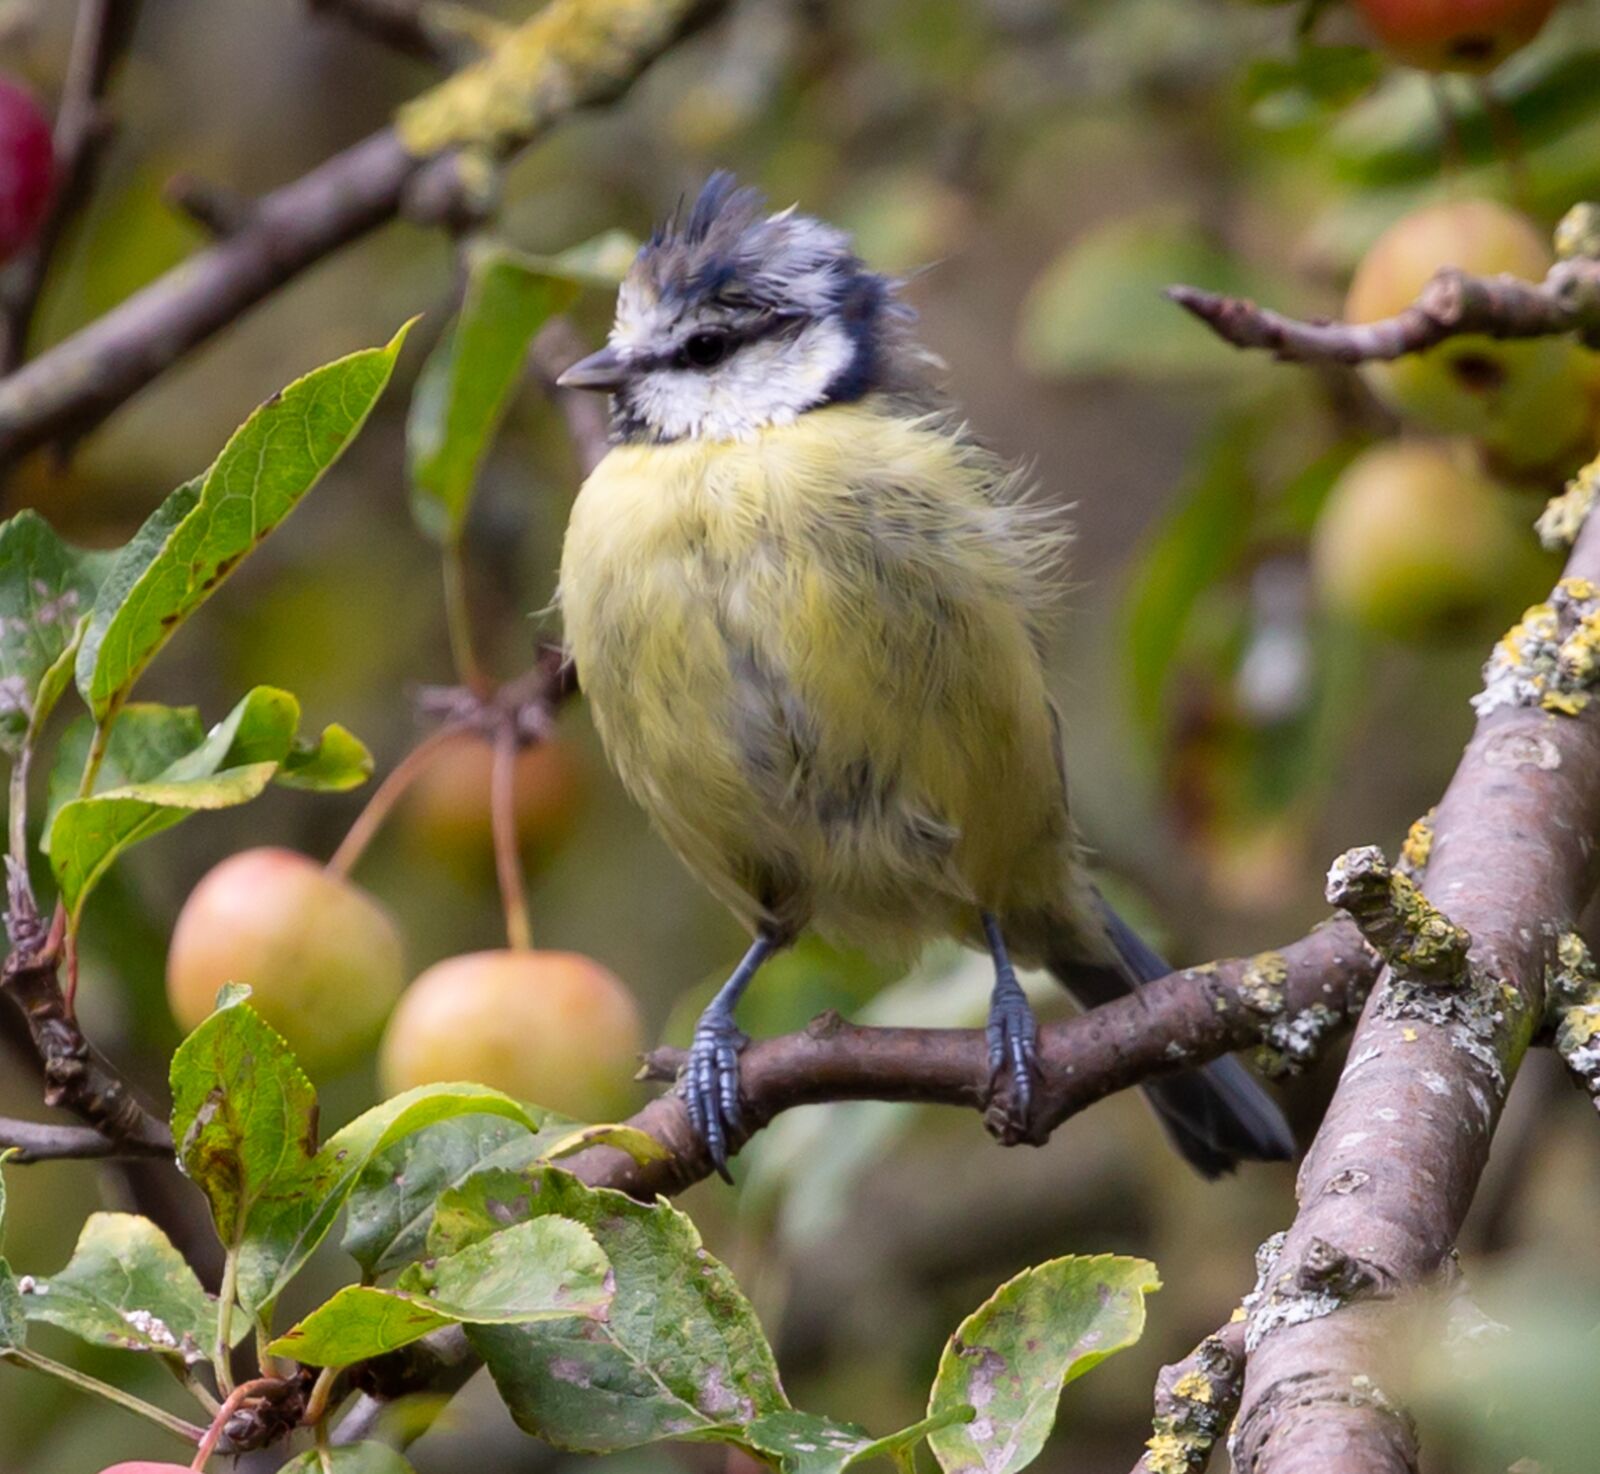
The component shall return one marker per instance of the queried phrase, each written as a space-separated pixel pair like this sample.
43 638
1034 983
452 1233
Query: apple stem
93 1385
384 797
1508 141
507 860
230 1405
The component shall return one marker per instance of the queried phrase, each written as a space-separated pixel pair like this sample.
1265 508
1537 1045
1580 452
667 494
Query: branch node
1413 935
1578 234
458 191
1195 1401
1326 1268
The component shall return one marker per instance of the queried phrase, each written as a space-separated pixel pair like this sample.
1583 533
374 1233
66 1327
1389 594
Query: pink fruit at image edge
27 167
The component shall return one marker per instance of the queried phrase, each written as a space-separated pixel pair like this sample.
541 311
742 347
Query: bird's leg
1012 1030
710 1080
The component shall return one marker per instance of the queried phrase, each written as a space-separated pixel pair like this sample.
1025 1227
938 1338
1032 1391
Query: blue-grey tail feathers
1217 1116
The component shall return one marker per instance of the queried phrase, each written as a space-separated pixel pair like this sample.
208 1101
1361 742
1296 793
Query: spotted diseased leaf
393 1204
803 1443
467 383
126 1286
46 589
544 1269
391 1208
13 1322
1010 1358
245 1119
231 765
205 528
679 1353
244 1116
333 763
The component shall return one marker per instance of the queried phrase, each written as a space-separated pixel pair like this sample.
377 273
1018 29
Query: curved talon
1013 1035
710 1087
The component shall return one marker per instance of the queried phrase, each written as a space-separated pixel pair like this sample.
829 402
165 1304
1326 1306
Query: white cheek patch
768 382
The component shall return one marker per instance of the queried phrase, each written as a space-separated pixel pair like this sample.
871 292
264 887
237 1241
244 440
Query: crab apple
553 1028
1413 541
322 957
27 167
146 1466
1526 400
446 809
1454 35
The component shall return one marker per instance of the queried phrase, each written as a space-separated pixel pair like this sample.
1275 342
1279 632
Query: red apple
552 1028
322 957
27 167
1455 35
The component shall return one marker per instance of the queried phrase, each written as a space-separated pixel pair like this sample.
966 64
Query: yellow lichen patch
1261 987
571 53
1170 1453
1239 1314
1433 942
1564 703
1579 659
1408 1035
1195 1386
1578 1026
1418 847
1564 516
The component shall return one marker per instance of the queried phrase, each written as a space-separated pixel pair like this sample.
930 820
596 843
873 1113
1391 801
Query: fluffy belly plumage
810 659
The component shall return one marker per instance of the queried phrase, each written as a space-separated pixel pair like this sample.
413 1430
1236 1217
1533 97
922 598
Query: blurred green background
1038 169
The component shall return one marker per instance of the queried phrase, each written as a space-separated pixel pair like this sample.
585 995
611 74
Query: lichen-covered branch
1196 1399
574 53
1574 1013
1452 304
1410 933
1388 1181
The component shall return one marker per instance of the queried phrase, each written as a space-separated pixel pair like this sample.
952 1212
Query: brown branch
597 49
1387 1184
1196 1399
78 141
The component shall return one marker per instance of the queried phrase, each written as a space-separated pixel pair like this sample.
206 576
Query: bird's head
731 319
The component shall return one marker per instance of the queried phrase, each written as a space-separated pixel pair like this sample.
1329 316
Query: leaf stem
507 859
96 1388
227 1293
458 619
19 807
384 797
321 1391
97 754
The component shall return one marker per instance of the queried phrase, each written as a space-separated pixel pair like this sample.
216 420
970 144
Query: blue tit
805 606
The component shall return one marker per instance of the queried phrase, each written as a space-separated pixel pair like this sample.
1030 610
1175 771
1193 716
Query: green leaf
804 1443
1098 308
231 765
145 739
392 1206
1314 81
46 587
335 762
126 1286
601 261
350 1458
679 1354
467 382
1011 1357
545 1269
1195 544
245 1119
202 531
284 1240
244 1116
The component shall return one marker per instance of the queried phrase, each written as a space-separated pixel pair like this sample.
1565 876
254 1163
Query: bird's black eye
705 350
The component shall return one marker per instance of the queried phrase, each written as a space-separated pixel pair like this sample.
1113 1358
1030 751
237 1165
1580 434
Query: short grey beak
603 370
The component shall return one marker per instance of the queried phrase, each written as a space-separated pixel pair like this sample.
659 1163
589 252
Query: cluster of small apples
325 961
27 167
1424 534
1454 35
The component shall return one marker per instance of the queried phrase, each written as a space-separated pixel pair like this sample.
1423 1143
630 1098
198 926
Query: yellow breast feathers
812 656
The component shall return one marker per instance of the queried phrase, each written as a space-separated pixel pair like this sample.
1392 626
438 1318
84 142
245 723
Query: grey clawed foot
710 1087
1013 1034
